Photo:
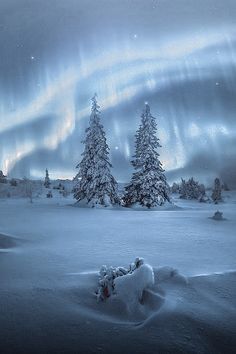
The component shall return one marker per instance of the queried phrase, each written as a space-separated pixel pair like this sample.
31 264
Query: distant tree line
192 189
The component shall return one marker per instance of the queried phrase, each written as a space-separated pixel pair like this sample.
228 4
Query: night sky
179 55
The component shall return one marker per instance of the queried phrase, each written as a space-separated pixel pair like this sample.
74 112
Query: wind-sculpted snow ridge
199 305
8 242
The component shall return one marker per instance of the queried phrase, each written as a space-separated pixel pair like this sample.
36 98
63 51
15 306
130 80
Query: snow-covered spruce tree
191 189
216 194
3 178
175 188
148 186
95 183
47 180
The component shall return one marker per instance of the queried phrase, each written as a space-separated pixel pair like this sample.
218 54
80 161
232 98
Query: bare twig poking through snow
127 284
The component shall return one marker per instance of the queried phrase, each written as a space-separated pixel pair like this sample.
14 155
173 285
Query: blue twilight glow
187 76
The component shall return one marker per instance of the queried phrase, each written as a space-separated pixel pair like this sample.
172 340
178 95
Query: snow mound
137 298
7 242
165 274
218 216
118 309
130 287
83 204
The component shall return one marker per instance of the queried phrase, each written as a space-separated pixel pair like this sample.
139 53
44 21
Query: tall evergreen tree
95 183
148 185
47 180
216 193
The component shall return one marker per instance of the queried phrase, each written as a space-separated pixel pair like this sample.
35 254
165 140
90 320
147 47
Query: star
217 83
135 36
32 57
117 147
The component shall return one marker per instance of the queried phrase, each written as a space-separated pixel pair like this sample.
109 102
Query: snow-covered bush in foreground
127 284
129 288
106 281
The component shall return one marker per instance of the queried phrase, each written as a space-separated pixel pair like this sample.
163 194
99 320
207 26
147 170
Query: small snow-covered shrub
218 215
49 194
106 280
108 274
127 284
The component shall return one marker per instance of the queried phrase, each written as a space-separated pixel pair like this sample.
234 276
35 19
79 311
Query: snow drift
7 242
46 307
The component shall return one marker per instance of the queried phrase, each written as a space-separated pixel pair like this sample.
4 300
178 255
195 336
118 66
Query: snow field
49 277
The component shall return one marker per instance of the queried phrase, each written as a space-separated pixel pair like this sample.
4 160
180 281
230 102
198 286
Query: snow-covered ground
51 251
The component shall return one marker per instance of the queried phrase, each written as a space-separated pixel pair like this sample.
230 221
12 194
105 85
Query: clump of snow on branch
131 286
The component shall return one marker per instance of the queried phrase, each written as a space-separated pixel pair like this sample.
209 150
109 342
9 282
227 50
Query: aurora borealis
180 56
